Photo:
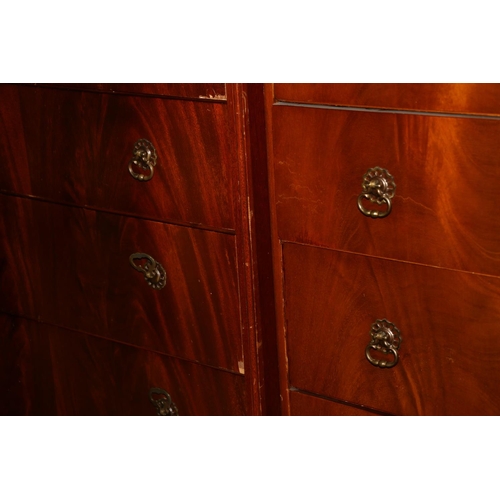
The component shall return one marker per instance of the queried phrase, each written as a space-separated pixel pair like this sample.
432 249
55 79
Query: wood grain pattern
70 267
75 147
479 98
445 211
46 370
310 406
212 91
19 280
450 353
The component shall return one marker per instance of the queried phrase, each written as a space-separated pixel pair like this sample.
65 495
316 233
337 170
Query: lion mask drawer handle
153 271
378 187
141 166
164 405
386 339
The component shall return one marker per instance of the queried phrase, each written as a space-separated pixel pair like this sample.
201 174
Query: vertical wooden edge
262 252
277 259
254 250
238 116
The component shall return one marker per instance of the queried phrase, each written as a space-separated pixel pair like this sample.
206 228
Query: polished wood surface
450 353
447 171
75 147
46 370
70 267
310 406
478 98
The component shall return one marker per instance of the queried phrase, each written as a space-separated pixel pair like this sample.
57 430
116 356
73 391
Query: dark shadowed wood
50 371
447 172
477 98
212 91
306 405
450 353
20 283
16 394
70 267
75 147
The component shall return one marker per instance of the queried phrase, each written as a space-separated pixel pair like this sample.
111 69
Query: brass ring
153 271
381 363
139 256
162 392
140 177
374 214
144 158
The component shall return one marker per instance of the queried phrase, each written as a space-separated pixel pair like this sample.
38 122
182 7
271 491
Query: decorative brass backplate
378 187
164 405
386 338
141 166
153 271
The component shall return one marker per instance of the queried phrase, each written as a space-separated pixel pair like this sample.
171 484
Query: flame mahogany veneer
273 275
80 258
45 370
432 266
75 147
82 332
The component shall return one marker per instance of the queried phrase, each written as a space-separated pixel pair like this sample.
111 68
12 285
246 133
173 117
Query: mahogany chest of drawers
234 249
387 247
128 261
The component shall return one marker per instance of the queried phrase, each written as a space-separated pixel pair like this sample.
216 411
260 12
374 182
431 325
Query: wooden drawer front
186 90
449 359
445 211
73 270
310 406
50 371
478 98
76 147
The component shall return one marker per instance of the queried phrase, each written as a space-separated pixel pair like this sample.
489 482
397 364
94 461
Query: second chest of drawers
429 266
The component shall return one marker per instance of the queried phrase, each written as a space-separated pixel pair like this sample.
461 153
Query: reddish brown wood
75 147
245 233
276 252
211 91
310 406
479 98
70 267
450 353
447 170
50 371
262 280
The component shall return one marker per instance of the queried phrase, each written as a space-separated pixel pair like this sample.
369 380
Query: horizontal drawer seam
217 100
134 346
170 222
389 259
387 110
340 401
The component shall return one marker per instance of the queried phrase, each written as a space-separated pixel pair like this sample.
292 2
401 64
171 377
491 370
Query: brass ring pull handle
141 166
378 187
386 339
153 271
164 405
